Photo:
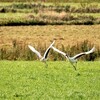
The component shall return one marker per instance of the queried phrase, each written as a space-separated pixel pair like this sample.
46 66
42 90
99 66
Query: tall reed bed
20 51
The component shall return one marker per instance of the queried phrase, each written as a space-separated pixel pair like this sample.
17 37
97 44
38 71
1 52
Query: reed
20 51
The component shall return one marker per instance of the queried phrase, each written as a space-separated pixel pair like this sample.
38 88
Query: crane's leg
74 66
78 73
46 65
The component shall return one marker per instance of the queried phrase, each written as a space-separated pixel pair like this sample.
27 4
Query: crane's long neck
42 59
71 59
67 56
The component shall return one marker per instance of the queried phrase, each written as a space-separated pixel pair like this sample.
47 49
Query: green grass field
31 80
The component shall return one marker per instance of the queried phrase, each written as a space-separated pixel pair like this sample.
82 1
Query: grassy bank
31 80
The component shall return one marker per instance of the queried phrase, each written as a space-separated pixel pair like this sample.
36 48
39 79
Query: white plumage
44 57
84 53
74 58
35 51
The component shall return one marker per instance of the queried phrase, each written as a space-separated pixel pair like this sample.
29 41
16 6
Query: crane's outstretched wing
55 49
90 51
47 51
84 53
35 51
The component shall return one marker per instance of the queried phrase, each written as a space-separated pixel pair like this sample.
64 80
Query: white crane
74 58
44 57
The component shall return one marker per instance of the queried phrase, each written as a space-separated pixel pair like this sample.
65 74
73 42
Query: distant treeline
54 1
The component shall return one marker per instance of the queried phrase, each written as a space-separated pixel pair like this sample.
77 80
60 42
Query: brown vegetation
72 39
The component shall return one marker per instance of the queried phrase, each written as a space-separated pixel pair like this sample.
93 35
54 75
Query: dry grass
66 35
71 39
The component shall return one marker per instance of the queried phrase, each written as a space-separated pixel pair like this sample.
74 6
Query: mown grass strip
45 14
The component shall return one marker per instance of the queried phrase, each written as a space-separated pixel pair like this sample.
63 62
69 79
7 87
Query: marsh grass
70 39
20 51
